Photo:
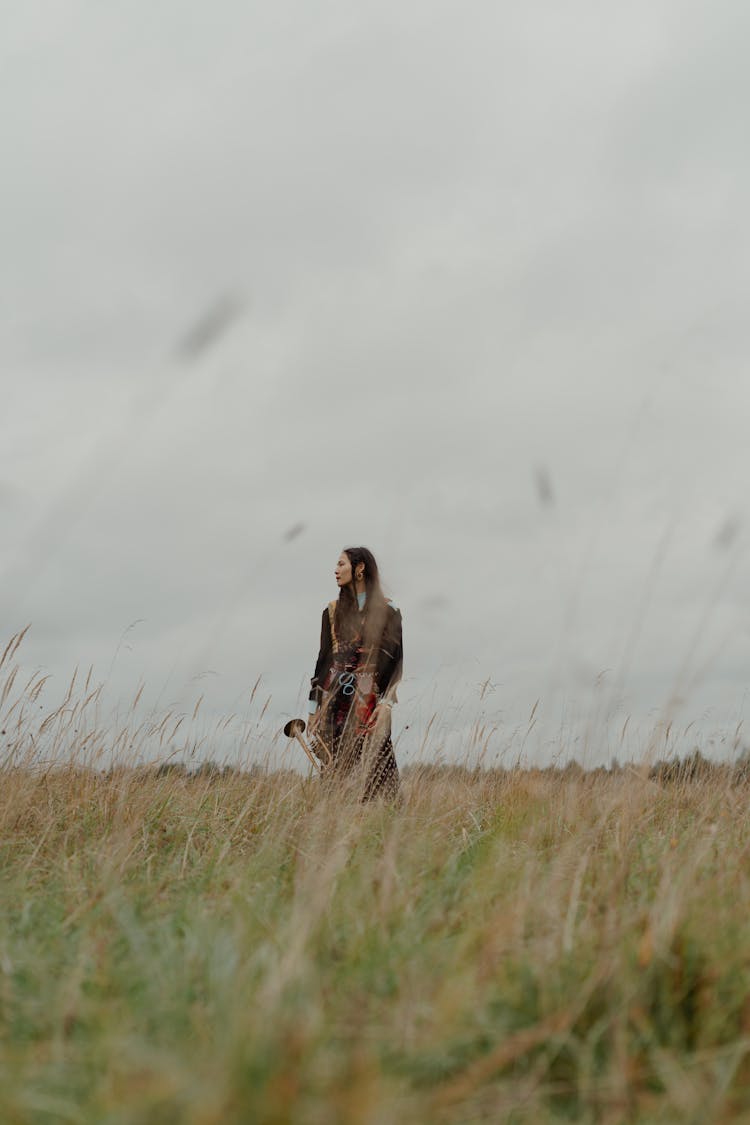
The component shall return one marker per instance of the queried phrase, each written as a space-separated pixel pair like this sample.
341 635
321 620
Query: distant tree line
666 771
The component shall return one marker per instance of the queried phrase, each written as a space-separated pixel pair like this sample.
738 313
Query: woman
354 684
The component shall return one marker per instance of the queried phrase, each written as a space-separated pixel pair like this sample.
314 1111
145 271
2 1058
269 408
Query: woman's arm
391 660
322 664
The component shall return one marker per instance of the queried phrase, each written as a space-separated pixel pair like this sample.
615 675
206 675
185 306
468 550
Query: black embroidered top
387 658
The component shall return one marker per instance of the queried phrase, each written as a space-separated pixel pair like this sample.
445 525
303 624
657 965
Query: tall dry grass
517 946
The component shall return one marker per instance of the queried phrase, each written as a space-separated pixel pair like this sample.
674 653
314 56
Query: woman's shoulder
392 606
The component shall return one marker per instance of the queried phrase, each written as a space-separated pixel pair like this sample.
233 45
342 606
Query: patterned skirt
361 753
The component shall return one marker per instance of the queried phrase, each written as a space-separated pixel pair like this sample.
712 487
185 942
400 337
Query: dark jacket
388 657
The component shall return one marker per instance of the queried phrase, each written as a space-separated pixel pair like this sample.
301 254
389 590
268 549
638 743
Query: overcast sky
464 283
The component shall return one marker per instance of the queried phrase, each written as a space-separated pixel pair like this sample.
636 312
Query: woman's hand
380 714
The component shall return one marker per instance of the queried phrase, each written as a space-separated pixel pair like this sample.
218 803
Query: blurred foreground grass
517 946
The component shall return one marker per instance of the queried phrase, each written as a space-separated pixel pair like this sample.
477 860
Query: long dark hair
346 617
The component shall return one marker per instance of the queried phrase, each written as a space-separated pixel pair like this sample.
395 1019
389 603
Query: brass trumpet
294 729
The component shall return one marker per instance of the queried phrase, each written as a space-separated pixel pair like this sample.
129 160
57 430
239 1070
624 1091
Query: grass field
502 946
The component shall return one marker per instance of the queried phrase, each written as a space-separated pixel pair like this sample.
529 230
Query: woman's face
343 570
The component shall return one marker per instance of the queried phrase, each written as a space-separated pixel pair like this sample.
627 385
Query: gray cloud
474 252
